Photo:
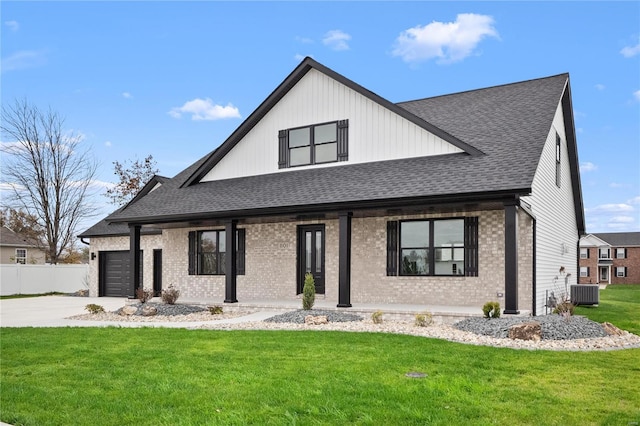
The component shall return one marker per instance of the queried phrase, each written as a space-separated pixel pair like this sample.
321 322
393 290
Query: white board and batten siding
556 225
375 132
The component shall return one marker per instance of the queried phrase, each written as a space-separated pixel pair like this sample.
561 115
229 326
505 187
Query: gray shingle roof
507 124
620 239
10 238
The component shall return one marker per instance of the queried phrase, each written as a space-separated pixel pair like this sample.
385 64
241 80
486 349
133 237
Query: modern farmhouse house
451 200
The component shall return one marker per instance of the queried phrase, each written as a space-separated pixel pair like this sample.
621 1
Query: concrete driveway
50 311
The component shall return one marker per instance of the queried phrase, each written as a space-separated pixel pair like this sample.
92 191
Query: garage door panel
114 273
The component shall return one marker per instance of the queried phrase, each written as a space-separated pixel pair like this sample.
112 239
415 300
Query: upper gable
375 132
592 241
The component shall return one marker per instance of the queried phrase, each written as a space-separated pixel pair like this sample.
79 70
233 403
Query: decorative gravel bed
297 317
168 310
554 327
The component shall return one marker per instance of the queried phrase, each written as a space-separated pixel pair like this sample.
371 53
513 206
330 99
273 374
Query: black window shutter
193 251
625 253
283 151
625 271
588 274
471 246
343 140
588 253
392 248
240 256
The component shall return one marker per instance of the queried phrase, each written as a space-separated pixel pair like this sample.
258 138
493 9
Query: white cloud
636 95
587 167
621 219
298 57
108 144
446 41
611 208
630 51
619 185
336 40
204 109
600 86
303 40
634 200
95 183
127 95
23 59
12 25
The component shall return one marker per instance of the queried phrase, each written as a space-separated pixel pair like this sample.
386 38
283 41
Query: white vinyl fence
36 279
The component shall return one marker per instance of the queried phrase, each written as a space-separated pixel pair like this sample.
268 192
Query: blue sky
174 79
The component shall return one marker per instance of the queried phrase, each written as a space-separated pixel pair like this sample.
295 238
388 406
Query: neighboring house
610 258
15 248
452 200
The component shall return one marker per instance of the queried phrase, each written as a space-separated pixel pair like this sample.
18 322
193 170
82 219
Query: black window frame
196 263
341 142
469 247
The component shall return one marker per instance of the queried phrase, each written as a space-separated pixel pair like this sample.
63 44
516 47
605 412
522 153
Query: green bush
170 295
308 292
424 320
491 310
94 309
376 317
215 310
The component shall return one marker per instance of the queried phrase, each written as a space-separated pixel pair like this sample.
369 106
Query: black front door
311 255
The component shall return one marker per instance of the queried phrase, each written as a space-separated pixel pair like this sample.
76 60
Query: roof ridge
480 89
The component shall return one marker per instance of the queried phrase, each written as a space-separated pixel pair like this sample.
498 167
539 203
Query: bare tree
48 172
131 179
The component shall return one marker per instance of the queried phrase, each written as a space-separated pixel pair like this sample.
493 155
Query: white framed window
621 271
604 253
621 253
584 253
21 256
584 271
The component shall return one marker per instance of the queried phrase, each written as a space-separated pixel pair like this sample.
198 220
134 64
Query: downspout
83 241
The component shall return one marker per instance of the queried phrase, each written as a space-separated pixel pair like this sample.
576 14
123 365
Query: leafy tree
23 223
131 179
48 172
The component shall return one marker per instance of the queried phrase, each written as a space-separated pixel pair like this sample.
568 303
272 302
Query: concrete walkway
53 311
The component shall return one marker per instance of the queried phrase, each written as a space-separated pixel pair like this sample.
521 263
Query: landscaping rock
316 319
128 310
526 331
149 311
611 329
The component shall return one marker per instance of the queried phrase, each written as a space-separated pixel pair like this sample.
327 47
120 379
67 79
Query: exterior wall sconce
93 255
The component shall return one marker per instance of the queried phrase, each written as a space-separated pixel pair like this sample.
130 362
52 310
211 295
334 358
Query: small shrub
376 317
491 310
215 310
94 309
308 292
144 295
565 309
424 320
170 295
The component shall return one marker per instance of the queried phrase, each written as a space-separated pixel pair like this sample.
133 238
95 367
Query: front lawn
619 305
117 376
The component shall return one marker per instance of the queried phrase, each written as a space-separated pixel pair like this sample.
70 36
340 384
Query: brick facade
270 264
631 262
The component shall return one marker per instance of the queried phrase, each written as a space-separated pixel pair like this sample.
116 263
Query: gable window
621 271
621 253
314 144
604 253
558 159
207 252
584 253
440 247
21 256
584 271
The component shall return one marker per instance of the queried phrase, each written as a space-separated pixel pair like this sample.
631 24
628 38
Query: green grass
118 376
619 305
22 296
148 376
